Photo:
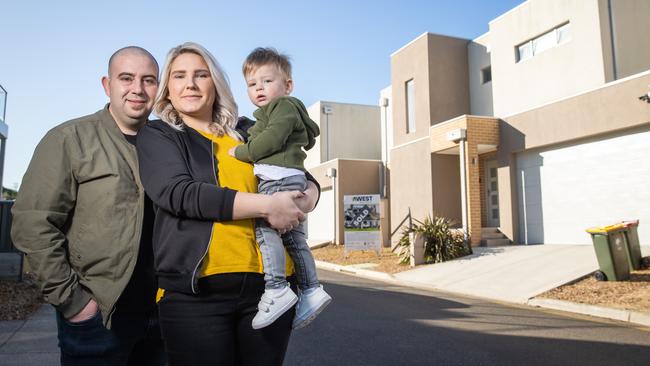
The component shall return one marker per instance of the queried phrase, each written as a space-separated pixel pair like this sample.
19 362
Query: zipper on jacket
207 247
139 222
196 268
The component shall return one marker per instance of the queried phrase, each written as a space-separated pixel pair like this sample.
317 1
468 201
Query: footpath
30 342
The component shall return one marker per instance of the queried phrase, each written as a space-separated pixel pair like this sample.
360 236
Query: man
85 224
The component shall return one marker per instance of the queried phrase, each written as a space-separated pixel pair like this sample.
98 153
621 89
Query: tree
8 193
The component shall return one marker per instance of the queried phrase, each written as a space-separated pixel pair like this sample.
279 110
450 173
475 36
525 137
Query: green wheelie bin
633 246
611 252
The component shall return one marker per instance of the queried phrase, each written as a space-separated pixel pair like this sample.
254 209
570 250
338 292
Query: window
544 42
524 51
410 106
486 75
541 43
563 34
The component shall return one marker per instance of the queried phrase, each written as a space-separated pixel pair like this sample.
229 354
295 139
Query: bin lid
630 223
606 229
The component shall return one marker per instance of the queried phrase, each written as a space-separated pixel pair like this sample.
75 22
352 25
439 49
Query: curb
629 316
374 275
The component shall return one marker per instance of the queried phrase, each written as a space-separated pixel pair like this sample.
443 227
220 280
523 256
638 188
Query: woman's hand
282 213
279 210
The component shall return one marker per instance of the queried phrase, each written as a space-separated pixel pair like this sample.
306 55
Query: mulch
19 299
386 262
633 294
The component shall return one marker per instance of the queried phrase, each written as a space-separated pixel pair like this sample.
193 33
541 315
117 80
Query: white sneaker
273 304
311 303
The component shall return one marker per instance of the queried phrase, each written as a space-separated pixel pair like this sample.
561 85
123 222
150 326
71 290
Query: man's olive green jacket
78 215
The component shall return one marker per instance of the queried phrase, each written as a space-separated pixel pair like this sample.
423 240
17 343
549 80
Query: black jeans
214 327
132 340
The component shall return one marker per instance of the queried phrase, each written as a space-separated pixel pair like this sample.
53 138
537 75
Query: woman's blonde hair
224 110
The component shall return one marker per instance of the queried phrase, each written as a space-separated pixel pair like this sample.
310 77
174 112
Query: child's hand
231 152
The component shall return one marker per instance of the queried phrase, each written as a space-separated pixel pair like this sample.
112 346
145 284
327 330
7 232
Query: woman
207 261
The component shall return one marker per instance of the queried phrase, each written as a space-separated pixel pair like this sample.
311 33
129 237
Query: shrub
441 243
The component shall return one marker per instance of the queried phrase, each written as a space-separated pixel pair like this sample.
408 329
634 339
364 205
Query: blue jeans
132 340
272 244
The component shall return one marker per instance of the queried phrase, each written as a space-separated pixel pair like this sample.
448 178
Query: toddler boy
283 128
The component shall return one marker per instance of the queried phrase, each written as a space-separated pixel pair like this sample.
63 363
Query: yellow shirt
233 247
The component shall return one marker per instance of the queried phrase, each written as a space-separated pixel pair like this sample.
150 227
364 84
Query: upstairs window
539 44
486 75
410 106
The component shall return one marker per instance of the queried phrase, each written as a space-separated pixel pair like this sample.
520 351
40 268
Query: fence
11 260
6 245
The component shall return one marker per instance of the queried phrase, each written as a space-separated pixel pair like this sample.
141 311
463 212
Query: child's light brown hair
267 56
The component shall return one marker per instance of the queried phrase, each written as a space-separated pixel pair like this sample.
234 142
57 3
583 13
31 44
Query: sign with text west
362 231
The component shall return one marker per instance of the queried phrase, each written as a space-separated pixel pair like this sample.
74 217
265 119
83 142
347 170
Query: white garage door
320 222
565 190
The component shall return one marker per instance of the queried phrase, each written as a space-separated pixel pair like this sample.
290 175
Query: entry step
489 230
492 237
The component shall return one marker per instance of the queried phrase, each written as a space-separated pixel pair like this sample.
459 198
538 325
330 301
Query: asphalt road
372 323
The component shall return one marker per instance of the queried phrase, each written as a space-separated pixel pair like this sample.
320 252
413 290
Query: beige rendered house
530 133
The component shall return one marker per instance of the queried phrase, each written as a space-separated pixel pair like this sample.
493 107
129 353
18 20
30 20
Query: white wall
573 187
320 222
315 155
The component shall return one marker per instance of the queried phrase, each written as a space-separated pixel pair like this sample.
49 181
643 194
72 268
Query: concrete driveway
510 273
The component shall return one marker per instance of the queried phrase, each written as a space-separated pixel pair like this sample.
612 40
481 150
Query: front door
492 196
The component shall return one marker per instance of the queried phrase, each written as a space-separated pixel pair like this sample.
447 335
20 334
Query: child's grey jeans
272 244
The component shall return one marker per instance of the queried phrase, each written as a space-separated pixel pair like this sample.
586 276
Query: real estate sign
362 222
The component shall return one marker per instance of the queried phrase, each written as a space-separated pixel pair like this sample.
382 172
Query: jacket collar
126 149
109 122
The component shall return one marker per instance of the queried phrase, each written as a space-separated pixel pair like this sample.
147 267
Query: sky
54 53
